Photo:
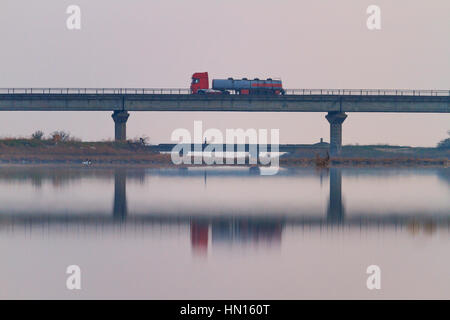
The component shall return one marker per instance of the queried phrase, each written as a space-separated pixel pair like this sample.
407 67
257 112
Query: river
224 233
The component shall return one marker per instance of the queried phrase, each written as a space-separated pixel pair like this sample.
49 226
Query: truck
244 86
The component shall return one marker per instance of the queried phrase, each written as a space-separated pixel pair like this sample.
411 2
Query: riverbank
15 152
42 152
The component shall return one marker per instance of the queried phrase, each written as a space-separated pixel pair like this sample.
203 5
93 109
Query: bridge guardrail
94 91
368 92
137 91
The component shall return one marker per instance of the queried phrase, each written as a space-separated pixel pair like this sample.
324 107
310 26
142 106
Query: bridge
335 102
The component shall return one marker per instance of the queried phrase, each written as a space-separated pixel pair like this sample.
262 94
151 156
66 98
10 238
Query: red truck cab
200 81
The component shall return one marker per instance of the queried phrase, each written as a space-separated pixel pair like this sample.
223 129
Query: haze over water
224 233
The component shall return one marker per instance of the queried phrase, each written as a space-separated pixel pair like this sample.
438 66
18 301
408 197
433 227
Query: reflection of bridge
208 230
334 215
332 101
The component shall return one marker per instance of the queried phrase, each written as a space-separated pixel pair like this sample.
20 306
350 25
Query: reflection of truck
200 85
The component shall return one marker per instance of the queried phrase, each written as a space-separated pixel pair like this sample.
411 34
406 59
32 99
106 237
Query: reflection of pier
120 194
335 213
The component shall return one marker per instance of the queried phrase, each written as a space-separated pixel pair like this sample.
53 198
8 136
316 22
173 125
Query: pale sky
160 43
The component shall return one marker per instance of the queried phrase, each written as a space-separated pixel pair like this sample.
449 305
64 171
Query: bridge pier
120 118
335 119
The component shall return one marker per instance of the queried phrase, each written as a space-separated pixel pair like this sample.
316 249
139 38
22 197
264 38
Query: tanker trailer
200 85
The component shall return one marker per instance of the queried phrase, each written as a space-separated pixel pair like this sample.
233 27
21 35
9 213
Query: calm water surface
224 233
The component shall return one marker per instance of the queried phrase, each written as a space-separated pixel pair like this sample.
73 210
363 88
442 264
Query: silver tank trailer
254 85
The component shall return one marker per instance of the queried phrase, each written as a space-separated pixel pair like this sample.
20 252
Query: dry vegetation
71 151
288 162
60 148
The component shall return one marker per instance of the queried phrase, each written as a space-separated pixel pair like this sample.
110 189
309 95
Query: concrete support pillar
120 125
335 119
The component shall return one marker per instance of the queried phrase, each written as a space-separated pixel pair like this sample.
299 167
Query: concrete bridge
335 102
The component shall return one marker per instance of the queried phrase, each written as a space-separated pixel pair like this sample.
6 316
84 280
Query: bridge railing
138 91
368 92
95 91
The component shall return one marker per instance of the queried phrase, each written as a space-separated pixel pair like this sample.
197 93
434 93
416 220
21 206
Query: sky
161 43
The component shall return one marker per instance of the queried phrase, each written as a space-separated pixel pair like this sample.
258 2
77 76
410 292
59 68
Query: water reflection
120 194
335 212
199 237
209 216
217 233
234 231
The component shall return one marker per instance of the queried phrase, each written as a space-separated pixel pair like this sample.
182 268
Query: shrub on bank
444 144
37 135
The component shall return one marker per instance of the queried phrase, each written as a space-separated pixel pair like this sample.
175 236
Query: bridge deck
296 100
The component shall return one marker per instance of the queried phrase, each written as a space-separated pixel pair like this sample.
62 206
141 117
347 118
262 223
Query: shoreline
283 163
49 153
